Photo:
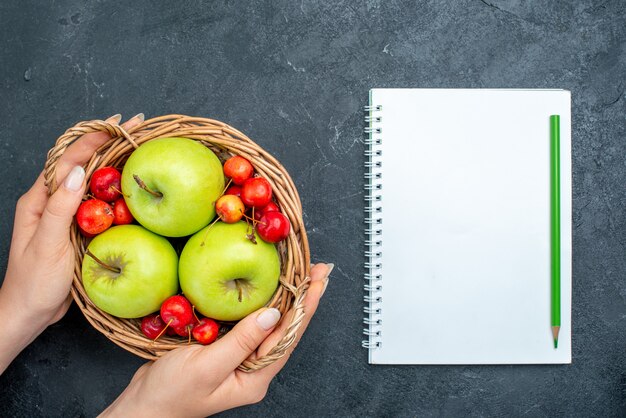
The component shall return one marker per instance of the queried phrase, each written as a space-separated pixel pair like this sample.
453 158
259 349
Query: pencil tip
555 335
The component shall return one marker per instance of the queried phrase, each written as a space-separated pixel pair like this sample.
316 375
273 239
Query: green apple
171 185
135 271
228 277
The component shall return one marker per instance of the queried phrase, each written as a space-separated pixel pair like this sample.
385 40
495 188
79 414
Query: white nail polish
330 266
268 318
74 179
115 119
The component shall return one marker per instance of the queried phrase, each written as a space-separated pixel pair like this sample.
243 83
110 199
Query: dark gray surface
293 76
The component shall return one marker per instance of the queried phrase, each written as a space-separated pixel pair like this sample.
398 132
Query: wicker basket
225 141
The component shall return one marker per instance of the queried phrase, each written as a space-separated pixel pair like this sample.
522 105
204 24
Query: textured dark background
293 76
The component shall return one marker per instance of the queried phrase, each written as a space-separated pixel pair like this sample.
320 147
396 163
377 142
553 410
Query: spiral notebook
458 226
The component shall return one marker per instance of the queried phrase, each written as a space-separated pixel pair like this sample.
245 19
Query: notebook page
466 226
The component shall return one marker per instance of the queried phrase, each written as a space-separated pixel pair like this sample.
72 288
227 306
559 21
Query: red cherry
206 331
185 330
239 169
121 213
229 208
256 192
234 190
170 331
270 207
105 184
176 311
273 227
94 216
152 326
86 234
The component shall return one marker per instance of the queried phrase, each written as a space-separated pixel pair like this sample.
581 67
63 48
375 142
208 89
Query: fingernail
115 119
268 318
74 180
325 285
139 116
330 266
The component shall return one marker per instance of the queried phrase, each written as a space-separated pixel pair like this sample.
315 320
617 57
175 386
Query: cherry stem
207 231
103 264
226 188
189 331
239 289
254 221
163 330
115 189
193 309
250 235
142 185
253 224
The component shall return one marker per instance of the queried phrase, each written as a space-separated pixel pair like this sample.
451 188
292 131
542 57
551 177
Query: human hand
203 380
36 288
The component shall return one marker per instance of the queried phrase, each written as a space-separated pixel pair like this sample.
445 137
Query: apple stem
142 185
239 289
103 264
226 188
163 330
207 231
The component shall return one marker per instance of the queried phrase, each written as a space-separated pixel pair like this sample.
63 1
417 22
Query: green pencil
555 229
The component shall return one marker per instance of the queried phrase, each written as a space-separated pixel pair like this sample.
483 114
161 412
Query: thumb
57 216
240 342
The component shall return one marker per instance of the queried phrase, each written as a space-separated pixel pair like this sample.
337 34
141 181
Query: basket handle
250 365
69 137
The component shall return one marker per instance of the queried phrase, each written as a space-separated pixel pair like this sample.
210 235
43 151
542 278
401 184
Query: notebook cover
465 232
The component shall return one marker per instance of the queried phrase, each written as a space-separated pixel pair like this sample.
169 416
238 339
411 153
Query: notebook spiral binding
373 227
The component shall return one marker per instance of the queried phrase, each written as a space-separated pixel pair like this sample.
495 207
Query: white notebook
458 226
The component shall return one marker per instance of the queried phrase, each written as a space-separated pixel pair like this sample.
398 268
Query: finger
31 205
53 228
229 351
62 309
76 154
81 150
319 280
27 213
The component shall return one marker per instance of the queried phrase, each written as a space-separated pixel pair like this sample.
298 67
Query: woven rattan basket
225 141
